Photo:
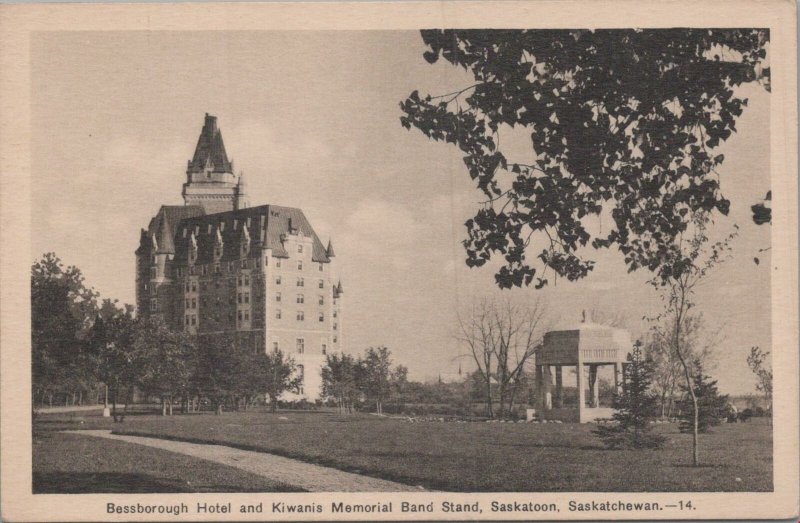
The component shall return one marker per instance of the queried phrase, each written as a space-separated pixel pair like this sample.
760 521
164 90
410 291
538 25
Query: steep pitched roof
164 225
267 225
210 149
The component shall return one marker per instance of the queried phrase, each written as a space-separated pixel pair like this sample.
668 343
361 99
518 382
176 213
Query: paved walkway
313 478
74 408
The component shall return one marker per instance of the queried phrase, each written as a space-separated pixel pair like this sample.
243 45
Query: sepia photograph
441 273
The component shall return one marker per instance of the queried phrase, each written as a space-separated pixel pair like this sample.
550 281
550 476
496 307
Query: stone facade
257 274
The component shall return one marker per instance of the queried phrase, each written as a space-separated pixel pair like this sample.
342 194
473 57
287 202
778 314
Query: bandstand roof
585 343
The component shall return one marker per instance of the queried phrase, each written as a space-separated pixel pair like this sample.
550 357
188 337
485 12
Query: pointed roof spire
210 150
329 250
339 288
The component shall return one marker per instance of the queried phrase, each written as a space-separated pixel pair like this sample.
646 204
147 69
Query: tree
163 360
634 408
711 405
660 347
377 375
689 261
624 121
216 373
110 346
757 361
63 309
279 375
340 378
502 337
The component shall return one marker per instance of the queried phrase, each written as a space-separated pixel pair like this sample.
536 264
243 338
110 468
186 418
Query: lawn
71 463
486 456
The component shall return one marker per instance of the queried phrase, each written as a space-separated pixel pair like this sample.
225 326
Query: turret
329 251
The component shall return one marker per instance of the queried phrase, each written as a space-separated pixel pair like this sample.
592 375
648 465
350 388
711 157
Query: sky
312 119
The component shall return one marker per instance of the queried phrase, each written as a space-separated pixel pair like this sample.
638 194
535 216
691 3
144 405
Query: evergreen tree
634 406
710 403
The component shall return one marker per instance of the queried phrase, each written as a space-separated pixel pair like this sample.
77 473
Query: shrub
634 407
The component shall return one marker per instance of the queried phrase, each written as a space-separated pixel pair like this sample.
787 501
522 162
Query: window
194 286
334 339
301 316
266 261
321 284
278 314
278 263
334 314
324 349
301 347
230 266
300 298
244 264
300 282
153 305
239 297
321 317
301 376
194 303
274 346
246 279
239 315
246 315
320 267
187 286
205 270
300 265
300 248
278 280
153 273
334 326
187 304
247 297
322 300
187 321
277 296
239 281
216 268
194 320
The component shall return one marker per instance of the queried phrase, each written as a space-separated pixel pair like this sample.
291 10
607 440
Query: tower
210 180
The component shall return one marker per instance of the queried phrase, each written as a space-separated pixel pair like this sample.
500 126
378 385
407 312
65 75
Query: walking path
73 408
313 478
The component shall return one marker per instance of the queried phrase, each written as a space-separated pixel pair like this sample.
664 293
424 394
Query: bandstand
587 348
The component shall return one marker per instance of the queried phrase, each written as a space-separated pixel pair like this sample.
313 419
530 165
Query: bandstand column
559 399
548 392
594 386
618 376
581 393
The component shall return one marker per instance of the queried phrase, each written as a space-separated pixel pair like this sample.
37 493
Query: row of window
180 272
300 298
300 348
301 282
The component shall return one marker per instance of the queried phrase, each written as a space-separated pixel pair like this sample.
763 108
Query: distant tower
210 180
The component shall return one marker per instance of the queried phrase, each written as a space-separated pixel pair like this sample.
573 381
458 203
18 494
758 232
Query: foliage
634 406
502 337
377 375
63 310
697 343
762 212
712 406
164 359
217 373
757 361
278 374
110 344
340 380
624 121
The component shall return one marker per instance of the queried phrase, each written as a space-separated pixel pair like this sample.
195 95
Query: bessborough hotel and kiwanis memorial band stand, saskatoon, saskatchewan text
403 507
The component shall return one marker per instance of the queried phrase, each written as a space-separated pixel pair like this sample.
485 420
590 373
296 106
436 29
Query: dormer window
300 248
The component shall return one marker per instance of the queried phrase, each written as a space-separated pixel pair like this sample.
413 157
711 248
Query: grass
71 463
486 456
